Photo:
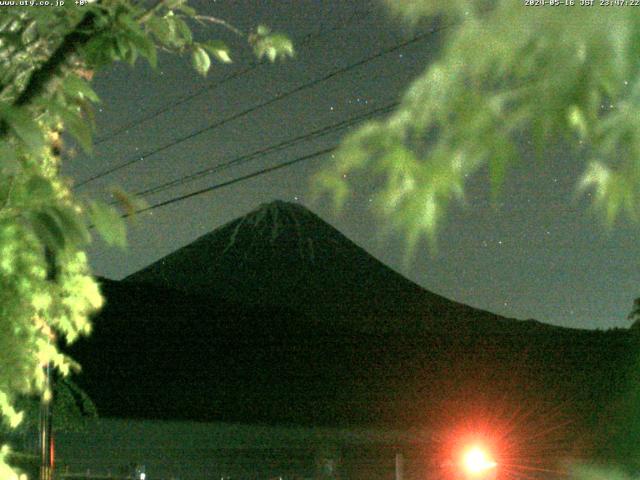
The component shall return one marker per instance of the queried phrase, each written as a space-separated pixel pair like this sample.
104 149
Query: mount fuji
276 317
283 255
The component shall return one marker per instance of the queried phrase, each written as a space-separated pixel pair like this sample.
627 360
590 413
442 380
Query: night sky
542 254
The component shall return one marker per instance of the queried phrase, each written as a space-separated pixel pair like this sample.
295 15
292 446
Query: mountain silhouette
278 318
282 254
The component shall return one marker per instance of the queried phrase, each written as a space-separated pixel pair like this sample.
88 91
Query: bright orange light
477 462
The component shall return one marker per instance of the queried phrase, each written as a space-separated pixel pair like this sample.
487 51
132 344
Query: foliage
72 411
47 58
598 472
72 408
507 73
634 315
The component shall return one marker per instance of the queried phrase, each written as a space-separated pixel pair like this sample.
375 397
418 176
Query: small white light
143 476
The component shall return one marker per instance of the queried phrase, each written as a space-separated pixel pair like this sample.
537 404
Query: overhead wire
270 101
328 129
356 17
217 186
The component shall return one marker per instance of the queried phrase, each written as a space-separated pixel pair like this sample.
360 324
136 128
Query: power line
357 15
270 149
263 104
180 101
234 180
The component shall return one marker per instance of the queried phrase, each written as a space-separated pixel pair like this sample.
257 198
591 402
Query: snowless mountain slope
282 254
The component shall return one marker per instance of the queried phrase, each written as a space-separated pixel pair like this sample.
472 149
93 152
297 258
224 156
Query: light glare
476 461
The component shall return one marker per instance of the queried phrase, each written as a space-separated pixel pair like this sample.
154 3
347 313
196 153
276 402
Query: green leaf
8 159
78 127
172 39
273 46
326 182
76 87
218 49
201 61
74 229
577 121
271 53
500 159
39 189
187 10
24 127
161 29
282 44
180 5
124 50
47 229
137 40
183 29
100 51
130 204
11 39
109 224
263 30
146 48
171 4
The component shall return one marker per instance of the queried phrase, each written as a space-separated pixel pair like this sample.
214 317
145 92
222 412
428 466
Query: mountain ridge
282 254
179 346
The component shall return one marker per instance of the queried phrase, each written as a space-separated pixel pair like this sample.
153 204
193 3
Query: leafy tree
72 409
506 72
47 58
634 315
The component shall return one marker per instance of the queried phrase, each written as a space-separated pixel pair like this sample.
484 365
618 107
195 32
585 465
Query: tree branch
219 21
148 14
7 199
41 76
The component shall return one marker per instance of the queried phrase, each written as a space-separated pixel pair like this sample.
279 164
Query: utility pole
399 466
45 443
46 436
